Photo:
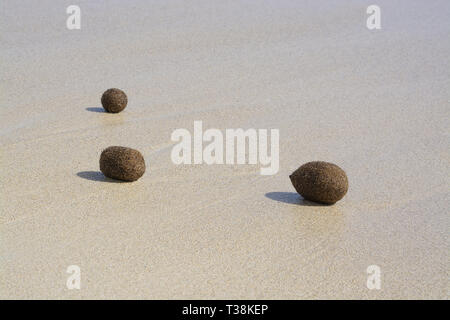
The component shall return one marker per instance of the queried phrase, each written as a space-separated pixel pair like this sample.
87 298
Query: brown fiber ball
114 100
320 181
122 163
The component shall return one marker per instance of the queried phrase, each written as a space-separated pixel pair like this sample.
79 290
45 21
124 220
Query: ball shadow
293 198
97 176
96 109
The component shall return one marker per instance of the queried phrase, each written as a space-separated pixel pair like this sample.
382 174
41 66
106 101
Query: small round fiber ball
114 100
122 163
320 181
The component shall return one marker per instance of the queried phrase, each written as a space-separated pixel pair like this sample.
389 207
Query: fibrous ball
114 100
122 163
320 181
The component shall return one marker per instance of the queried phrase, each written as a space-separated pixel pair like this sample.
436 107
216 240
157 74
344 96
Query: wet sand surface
374 102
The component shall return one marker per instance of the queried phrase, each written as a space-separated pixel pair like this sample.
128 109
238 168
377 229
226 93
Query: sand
376 103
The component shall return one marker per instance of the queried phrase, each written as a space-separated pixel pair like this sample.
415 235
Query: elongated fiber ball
122 163
320 181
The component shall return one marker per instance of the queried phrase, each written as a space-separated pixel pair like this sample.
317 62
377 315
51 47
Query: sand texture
376 103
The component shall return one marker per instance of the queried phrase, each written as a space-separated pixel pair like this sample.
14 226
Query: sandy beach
375 102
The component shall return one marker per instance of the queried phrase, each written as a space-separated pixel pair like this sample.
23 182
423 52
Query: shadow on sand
97 176
292 198
96 109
